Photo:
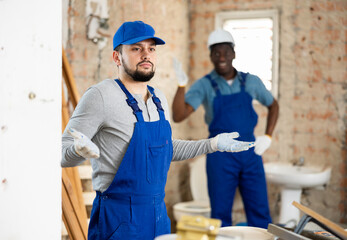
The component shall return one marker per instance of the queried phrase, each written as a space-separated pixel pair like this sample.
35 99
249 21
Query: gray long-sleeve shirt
104 116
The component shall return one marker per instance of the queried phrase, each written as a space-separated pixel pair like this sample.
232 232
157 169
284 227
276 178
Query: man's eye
152 49
136 49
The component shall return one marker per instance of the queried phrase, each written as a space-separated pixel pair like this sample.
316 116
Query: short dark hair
119 48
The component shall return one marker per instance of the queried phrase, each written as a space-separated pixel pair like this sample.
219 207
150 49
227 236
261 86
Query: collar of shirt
221 80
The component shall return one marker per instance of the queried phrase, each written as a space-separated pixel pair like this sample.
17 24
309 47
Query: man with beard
122 126
227 96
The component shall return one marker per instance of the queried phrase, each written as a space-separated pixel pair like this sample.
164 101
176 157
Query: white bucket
246 233
166 237
233 233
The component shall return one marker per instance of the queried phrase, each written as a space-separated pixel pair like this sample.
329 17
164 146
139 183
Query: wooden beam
74 223
339 231
64 108
69 81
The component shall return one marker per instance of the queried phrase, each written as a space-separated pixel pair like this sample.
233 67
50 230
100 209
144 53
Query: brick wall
312 83
312 89
91 63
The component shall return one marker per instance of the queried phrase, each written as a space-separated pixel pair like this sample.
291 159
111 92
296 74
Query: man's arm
86 119
272 117
180 109
224 142
262 143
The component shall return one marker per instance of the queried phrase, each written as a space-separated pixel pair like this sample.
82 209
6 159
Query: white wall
30 129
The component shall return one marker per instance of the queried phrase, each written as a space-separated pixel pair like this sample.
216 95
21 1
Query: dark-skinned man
227 96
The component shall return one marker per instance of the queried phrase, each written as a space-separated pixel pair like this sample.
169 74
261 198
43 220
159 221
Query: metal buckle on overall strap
133 104
157 103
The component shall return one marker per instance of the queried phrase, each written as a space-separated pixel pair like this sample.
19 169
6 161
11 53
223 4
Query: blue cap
133 32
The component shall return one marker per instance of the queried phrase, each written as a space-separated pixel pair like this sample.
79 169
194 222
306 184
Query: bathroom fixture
198 186
300 162
292 179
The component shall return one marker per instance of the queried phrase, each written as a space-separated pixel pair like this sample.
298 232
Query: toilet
198 184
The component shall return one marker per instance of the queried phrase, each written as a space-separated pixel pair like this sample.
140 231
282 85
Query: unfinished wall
312 89
312 84
92 62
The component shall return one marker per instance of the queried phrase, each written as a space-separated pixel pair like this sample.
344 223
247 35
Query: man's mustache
144 62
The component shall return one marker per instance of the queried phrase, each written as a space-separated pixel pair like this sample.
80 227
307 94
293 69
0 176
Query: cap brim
157 40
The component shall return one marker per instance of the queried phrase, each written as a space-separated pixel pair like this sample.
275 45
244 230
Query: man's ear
116 58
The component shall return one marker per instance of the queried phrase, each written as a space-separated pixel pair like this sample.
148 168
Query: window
256 43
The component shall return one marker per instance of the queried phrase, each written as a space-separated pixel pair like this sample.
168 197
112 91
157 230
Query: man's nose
146 54
221 57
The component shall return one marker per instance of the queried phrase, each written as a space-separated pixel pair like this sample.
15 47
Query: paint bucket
246 233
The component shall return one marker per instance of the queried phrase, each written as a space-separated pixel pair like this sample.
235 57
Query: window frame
221 17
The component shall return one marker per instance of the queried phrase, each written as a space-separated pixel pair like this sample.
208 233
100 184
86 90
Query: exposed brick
313 57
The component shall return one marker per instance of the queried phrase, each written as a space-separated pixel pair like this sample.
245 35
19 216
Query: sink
290 176
292 179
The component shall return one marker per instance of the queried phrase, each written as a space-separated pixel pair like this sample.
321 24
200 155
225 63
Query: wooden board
339 231
75 224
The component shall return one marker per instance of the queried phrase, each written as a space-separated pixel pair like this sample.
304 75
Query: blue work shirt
202 92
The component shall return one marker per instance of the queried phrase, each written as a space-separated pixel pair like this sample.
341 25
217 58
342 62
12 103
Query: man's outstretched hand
182 78
225 142
83 145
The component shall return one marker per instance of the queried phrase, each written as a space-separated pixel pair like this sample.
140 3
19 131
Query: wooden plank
70 83
64 109
89 198
79 192
70 218
339 231
75 224
64 208
85 171
76 184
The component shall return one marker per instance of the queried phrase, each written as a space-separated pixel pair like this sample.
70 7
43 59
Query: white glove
262 143
83 145
225 142
182 78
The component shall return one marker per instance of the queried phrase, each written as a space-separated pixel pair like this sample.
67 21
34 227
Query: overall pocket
115 219
156 161
125 231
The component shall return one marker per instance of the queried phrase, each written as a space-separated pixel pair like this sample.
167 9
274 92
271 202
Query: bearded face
139 75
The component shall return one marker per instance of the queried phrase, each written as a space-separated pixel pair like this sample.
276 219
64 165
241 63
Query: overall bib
133 206
226 171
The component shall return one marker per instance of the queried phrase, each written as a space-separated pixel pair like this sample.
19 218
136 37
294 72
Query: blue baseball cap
133 32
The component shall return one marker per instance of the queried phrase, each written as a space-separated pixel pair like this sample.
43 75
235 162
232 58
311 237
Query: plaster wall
30 120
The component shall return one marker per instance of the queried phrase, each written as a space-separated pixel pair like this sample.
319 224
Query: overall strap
214 84
157 102
131 102
243 80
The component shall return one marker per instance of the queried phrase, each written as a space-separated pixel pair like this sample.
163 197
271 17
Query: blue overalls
133 206
226 171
